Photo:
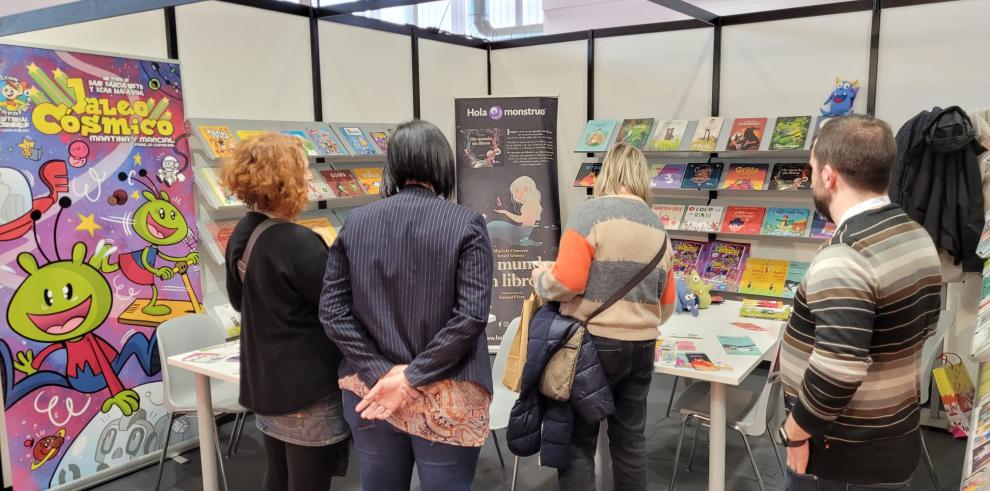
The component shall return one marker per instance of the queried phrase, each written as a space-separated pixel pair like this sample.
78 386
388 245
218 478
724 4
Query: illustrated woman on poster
517 232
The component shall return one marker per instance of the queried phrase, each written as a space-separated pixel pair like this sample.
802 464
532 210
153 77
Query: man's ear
829 176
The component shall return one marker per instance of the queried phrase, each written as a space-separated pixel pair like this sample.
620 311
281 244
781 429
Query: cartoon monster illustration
78 153
840 101
13 95
16 202
45 448
736 225
159 223
62 303
170 173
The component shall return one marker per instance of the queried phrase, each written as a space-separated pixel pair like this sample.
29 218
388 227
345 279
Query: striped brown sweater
850 361
607 241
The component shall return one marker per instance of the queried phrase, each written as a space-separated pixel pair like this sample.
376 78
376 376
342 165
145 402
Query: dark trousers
629 369
387 456
807 482
299 468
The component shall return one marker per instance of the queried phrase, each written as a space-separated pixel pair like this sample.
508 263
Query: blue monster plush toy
840 101
687 301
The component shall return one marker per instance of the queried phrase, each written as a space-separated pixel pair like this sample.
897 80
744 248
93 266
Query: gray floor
245 470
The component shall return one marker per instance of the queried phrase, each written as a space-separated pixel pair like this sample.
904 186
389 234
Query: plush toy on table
700 289
687 301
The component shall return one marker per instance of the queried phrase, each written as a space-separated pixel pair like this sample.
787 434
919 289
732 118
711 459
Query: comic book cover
790 177
790 133
322 227
381 140
723 264
370 177
745 177
326 141
667 176
790 222
587 175
746 134
702 218
670 215
821 228
743 220
245 135
596 136
687 255
795 274
702 175
668 136
360 143
706 136
306 142
343 183
218 138
635 131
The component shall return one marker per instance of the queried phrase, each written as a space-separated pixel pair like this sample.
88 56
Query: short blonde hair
624 171
268 172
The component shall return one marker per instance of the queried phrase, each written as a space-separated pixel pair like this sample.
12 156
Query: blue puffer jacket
538 423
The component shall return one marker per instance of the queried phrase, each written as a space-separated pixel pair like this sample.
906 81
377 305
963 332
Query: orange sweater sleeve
569 275
669 290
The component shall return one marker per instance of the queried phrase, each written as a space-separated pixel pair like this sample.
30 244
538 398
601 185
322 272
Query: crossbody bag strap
632 283
260 229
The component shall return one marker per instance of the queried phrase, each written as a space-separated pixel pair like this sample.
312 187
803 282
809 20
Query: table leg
207 445
716 439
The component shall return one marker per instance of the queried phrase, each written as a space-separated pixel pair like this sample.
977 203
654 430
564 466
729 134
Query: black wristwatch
786 441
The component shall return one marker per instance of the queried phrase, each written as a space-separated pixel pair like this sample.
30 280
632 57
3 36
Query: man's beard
822 202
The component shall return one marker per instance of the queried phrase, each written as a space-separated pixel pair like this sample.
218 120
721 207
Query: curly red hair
268 172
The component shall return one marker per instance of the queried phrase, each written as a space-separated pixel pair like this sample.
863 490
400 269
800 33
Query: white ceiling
9 7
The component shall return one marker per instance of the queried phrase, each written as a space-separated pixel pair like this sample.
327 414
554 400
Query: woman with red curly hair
288 365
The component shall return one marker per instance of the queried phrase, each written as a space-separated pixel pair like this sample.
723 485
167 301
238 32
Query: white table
215 362
713 322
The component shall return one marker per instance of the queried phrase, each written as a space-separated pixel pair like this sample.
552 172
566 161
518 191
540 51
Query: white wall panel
140 35
243 62
667 75
448 71
366 74
789 67
551 70
933 55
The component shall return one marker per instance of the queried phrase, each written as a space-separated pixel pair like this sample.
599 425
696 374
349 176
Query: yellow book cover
322 227
753 276
776 275
218 138
370 177
246 135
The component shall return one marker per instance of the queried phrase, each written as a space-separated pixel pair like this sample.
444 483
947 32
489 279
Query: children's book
687 255
322 227
790 133
790 177
775 278
706 136
739 345
306 142
245 135
701 362
319 189
597 135
230 319
821 228
326 141
765 309
370 177
343 183
702 218
221 232
218 138
381 140
983 248
723 265
668 136
795 274
635 131
746 134
789 222
743 220
745 177
754 276
587 175
223 195
702 175
670 215
667 176
360 143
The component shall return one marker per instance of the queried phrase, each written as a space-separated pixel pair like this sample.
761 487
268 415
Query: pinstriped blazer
409 281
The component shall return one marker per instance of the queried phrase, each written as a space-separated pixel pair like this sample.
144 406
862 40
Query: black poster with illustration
506 152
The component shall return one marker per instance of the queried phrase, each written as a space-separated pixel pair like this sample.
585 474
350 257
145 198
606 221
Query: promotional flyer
506 153
97 248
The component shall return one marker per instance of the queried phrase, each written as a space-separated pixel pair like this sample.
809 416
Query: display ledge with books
785 136
780 178
976 463
325 223
332 141
741 220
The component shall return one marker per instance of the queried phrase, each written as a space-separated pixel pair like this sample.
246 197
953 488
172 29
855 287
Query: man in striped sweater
850 360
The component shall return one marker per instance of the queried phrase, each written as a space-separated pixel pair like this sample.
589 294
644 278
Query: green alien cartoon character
159 223
63 303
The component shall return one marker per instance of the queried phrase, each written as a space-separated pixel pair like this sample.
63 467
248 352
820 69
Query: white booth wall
447 72
141 34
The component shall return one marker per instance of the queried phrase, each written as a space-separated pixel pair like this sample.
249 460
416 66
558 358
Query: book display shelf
345 171
734 194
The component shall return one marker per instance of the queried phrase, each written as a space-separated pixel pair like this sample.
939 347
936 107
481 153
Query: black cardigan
287 361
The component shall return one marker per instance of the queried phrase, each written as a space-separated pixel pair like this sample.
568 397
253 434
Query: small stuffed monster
700 289
687 301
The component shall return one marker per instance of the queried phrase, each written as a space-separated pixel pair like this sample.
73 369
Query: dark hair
860 148
418 151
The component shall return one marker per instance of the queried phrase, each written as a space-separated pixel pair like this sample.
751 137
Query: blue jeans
387 456
808 482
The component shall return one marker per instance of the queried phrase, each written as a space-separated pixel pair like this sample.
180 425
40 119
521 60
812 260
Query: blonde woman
288 365
615 235
528 197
